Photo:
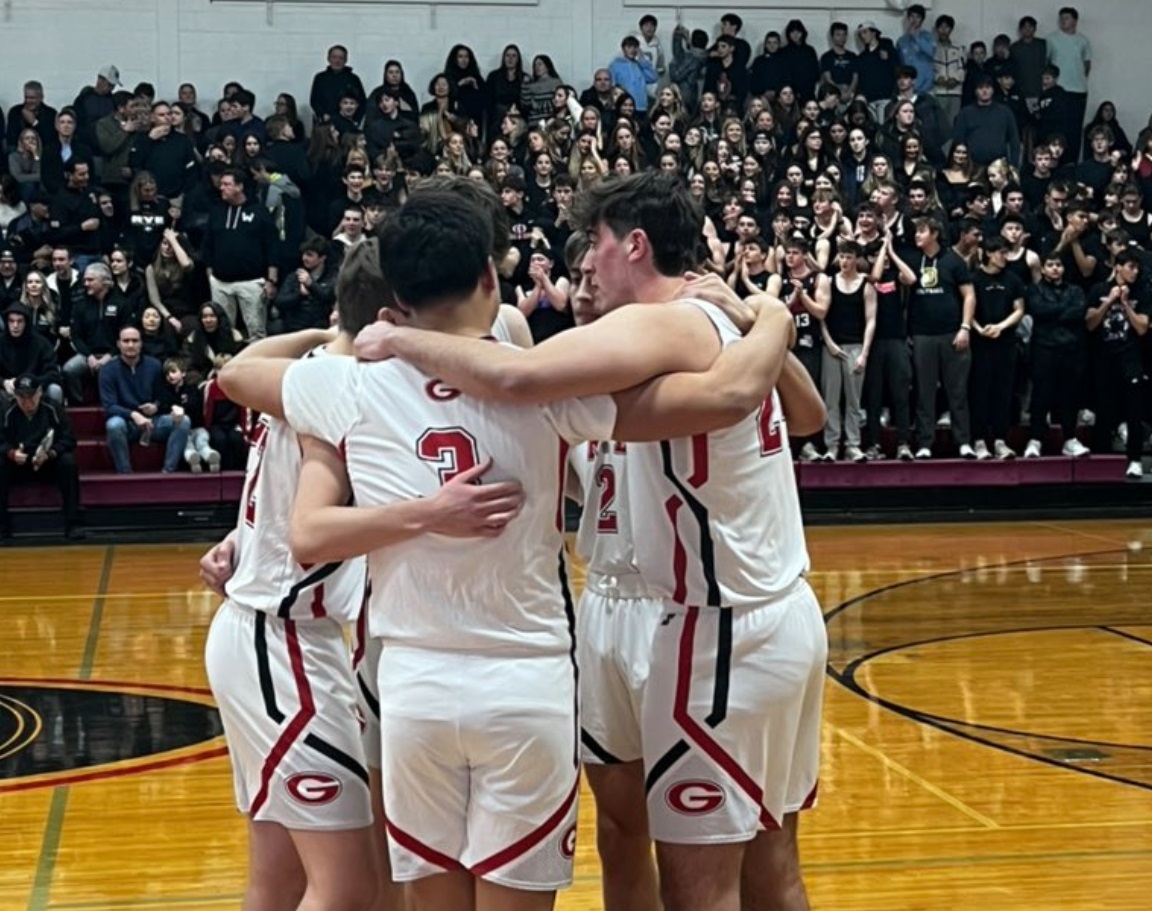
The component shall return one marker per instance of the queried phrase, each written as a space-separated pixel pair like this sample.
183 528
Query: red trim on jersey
319 611
562 473
295 727
361 636
421 850
531 840
698 734
699 476
679 555
810 800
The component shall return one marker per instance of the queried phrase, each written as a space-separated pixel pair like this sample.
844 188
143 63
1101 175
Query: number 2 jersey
267 576
717 516
403 436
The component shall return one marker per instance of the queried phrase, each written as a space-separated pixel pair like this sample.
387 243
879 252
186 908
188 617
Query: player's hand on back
714 290
467 508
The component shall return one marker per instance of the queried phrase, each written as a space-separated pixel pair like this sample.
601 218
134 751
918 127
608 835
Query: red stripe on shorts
532 839
421 850
295 727
698 734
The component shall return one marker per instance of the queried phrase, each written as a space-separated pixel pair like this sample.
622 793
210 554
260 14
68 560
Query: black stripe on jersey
570 614
284 611
597 750
664 764
336 755
264 671
723 670
707 549
373 702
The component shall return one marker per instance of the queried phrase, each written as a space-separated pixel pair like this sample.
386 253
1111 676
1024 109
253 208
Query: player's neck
471 317
342 344
659 288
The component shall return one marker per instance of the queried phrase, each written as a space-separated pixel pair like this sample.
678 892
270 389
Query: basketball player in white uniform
731 741
281 675
444 612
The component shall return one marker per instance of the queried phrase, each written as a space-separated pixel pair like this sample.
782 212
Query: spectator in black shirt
75 216
64 149
23 350
34 114
168 155
308 295
1050 116
876 67
36 444
801 65
1059 311
999 307
1118 316
941 305
331 84
95 322
838 64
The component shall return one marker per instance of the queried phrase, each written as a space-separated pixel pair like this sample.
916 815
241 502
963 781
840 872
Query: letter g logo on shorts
313 788
695 798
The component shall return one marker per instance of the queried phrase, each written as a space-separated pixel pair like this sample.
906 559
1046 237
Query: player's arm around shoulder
253 377
736 384
618 351
325 528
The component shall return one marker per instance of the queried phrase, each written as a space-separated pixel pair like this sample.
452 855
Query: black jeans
60 471
889 373
990 386
1055 389
1119 397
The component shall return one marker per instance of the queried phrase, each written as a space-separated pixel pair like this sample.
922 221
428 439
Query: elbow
515 386
228 381
303 543
809 421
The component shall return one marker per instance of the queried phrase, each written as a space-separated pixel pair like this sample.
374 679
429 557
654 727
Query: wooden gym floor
988 726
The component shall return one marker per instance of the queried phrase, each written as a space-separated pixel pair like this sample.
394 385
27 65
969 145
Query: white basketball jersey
267 577
604 538
405 435
717 516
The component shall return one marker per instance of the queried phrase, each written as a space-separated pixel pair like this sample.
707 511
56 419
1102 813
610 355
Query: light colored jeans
121 432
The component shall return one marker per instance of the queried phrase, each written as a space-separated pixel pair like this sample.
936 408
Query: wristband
964 327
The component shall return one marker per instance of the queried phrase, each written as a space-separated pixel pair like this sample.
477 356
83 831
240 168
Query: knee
349 893
116 427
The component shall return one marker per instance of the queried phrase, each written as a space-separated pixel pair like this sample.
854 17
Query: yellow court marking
916 779
16 743
1064 529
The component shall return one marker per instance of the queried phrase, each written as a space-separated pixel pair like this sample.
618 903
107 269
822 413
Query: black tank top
1020 268
1138 230
845 319
807 326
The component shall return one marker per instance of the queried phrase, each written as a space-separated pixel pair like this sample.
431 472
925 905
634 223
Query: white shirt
716 517
404 435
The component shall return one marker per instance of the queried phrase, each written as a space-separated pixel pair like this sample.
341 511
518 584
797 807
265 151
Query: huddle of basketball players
688 682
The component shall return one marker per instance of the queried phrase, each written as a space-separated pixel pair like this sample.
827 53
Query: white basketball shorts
732 718
480 765
287 699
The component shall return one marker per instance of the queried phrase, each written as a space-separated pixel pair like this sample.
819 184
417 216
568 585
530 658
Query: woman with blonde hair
38 297
669 101
455 153
999 174
24 160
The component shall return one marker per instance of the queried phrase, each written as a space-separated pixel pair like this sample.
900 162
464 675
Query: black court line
1119 632
847 679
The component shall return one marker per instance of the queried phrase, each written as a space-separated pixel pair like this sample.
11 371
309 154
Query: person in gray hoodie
987 127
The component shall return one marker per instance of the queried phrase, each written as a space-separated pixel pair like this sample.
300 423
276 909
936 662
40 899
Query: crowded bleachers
964 248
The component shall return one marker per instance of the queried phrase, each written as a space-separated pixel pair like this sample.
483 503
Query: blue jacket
124 389
919 51
634 77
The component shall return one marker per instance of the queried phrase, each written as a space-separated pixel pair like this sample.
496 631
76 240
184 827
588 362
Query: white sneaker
828 455
213 461
192 457
854 454
1075 448
923 453
945 420
874 454
904 452
1086 418
1003 451
1135 471
808 453
1032 450
982 452
967 452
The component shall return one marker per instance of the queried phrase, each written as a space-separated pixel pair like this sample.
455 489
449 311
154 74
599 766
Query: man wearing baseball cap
94 102
875 68
37 445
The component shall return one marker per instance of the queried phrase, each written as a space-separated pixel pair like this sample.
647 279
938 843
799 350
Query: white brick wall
64 42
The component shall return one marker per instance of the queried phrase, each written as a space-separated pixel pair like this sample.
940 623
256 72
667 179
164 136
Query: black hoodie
28 352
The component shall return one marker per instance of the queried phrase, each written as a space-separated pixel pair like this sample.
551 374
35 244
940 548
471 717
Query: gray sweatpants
840 383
